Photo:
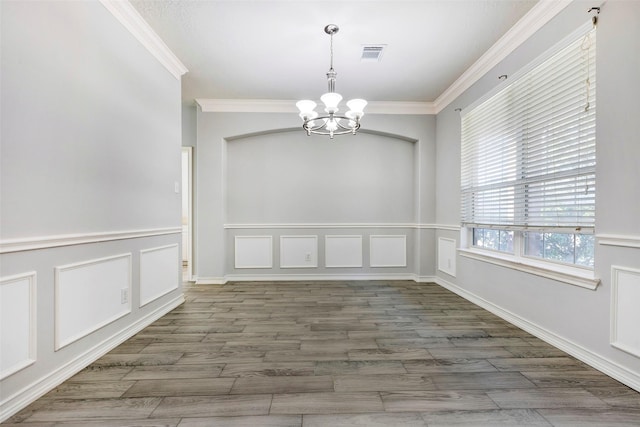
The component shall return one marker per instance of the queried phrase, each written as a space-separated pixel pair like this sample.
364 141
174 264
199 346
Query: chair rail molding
46 242
329 225
618 240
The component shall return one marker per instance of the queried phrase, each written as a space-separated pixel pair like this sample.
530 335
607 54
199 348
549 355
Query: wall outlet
124 296
307 257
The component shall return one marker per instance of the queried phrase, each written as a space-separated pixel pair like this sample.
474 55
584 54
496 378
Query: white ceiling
265 49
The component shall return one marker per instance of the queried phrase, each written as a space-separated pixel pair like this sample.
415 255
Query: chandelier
332 123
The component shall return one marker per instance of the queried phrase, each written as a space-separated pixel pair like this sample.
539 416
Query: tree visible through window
528 159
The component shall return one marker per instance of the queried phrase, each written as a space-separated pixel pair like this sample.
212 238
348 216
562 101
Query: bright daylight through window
528 160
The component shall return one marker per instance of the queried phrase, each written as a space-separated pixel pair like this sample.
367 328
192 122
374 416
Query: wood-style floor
334 354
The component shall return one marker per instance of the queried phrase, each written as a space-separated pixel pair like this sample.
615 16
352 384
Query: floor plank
364 420
244 421
492 418
343 353
326 403
214 406
419 401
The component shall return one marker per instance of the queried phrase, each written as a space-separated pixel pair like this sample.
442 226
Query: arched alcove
286 177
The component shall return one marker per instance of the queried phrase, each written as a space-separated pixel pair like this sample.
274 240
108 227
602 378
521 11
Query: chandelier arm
349 128
318 128
326 132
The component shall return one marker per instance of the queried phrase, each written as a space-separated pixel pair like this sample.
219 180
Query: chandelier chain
331 52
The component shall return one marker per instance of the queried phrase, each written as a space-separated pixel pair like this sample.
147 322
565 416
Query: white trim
246 105
168 291
306 277
570 275
618 240
289 106
532 21
32 276
315 277
539 15
128 16
235 252
425 279
615 269
190 239
611 368
380 237
401 107
571 38
329 225
313 263
447 227
329 237
450 269
209 280
39 387
58 343
46 242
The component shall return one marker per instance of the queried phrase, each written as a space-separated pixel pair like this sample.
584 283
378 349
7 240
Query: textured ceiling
278 50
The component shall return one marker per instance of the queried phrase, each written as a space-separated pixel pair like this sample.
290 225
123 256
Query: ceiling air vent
372 53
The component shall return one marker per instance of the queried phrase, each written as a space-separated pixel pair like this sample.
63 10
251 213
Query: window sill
572 276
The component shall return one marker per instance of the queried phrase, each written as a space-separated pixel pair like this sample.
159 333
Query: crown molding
289 106
532 21
128 16
397 107
246 105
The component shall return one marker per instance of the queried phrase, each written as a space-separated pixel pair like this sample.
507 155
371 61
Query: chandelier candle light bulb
332 123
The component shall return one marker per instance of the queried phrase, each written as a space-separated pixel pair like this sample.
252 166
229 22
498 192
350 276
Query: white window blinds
529 153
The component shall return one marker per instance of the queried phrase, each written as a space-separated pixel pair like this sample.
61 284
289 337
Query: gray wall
578 318
283 178
262 169
90 138
189 114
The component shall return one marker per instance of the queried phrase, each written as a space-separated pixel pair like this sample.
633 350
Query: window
568 248
528 160
497 240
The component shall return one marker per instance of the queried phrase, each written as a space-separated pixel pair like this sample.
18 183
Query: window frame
575 274
566 273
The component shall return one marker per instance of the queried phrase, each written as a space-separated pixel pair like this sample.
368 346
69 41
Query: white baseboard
614 370
308 277
33 391
315 277
209 280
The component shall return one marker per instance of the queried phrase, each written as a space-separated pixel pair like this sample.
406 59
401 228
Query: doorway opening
187 213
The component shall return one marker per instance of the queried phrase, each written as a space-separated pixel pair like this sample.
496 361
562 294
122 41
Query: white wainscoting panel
388 251
625 316
447 256
159 272
343 251
17 323
254 252
90 295
298 251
